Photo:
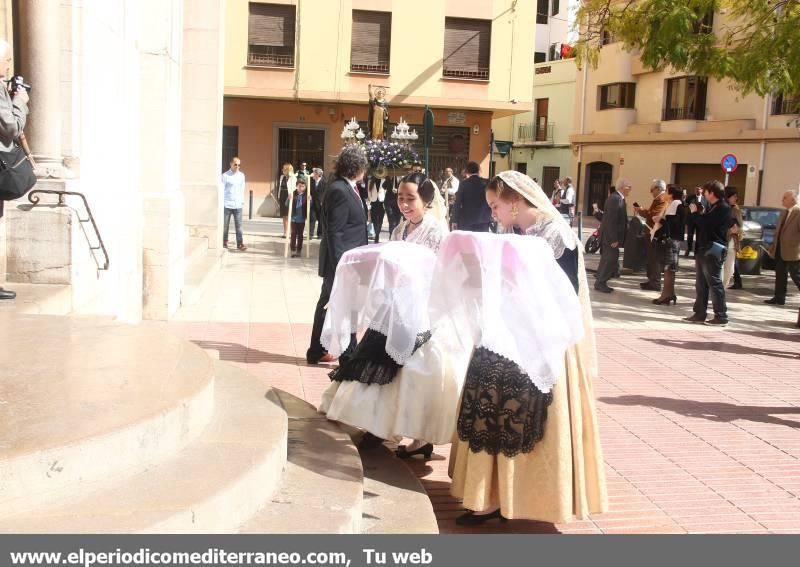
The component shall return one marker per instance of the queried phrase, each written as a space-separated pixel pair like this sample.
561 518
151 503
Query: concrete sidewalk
700 426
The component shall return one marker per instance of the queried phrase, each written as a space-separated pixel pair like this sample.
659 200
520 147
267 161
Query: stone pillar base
46 244
163 238
204 212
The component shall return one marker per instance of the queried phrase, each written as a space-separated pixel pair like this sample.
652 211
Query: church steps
84 399
213 485
321 491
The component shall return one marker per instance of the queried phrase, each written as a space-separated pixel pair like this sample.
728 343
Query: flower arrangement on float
386 158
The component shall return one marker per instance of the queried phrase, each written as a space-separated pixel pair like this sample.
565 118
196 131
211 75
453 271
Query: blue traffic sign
729 163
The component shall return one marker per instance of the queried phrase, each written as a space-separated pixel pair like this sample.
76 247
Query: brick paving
700 427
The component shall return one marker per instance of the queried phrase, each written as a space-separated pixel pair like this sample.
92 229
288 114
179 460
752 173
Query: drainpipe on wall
583 126
763 156
297 50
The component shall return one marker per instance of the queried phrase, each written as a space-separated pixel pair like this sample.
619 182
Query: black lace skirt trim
502 411
369 362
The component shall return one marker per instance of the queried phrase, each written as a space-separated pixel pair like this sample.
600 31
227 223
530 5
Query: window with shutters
271 35
371 42
617 95
466 48
542 7
686 98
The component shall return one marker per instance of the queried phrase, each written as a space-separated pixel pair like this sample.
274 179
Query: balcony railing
382 68
531 133
481 74
783 105
263 56
684 113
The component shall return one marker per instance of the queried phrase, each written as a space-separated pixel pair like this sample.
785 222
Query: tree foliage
755 43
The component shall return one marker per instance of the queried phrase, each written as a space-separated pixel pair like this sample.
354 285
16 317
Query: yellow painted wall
322 66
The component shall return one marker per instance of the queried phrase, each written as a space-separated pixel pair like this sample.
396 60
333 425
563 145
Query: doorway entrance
298 145
599 182
550 175
691 175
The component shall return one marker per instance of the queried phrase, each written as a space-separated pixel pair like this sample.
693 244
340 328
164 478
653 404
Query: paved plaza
700 426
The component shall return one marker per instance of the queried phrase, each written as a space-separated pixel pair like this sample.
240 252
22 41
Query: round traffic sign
729 163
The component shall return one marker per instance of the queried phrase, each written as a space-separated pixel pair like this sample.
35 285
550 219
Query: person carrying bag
16 169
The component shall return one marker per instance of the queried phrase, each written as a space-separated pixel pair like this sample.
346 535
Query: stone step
322 488
84 399
38 299
202 266
395 501
213 485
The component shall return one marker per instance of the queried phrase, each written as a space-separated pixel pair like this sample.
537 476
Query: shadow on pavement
712 411
719 346
234 352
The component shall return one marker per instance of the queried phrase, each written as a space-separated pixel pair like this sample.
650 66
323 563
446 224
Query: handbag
16 174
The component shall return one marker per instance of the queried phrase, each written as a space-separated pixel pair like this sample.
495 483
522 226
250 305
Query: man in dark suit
344 227
701 202
471 212
612 235
317 194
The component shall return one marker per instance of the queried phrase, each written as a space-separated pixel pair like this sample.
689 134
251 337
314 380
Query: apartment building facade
540 138
633 122
297 70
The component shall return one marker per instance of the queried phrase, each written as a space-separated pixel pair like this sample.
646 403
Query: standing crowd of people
711 224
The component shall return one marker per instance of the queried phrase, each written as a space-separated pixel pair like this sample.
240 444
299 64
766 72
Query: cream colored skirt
421 401
561 477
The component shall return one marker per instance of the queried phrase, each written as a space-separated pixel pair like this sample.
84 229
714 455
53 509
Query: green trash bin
749 257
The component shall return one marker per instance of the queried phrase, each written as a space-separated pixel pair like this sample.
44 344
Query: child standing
297 214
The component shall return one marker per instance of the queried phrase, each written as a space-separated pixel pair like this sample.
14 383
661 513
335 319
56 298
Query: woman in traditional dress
527 443
394 391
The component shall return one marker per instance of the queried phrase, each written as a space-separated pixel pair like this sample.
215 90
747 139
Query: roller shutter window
371 42
466 48
271 29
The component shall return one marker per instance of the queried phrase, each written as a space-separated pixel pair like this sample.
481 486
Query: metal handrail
61 203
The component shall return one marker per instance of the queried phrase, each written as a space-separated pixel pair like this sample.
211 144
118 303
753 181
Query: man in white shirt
566 201
233 185
450 188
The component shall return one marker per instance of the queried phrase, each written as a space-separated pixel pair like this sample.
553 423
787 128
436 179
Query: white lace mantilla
557 234
429 233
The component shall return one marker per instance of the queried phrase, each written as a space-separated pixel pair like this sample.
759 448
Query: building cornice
749 136
499 109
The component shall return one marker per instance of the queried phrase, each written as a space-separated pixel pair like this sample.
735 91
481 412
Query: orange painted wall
256 119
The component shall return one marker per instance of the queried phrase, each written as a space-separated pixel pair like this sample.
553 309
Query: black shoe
695 318
717 322
775 301
736 286
650 286
295 255
368 441
603 288
5 294
473 519
666 300
426 451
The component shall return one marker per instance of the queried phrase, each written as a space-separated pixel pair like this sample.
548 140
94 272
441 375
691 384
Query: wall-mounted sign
543 70
458 118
